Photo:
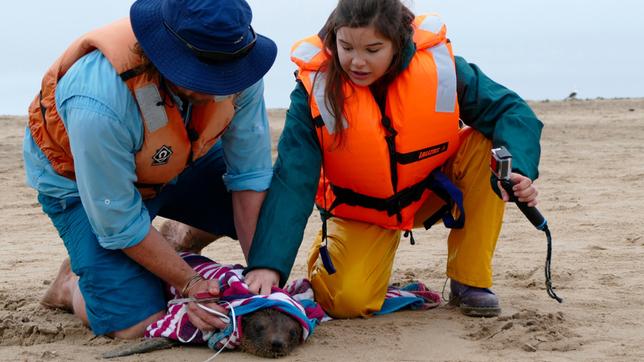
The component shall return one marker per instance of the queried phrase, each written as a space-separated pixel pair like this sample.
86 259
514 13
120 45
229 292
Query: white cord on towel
222 316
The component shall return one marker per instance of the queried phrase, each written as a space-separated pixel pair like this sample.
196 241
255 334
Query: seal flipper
146 345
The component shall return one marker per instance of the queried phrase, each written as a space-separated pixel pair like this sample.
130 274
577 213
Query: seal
270 333
267 333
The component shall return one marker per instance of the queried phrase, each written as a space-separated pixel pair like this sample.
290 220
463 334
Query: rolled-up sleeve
247 143
103 148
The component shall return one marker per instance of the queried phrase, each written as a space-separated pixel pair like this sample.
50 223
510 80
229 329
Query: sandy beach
591 191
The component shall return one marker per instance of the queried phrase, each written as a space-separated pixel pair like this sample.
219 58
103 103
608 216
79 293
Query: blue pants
119 292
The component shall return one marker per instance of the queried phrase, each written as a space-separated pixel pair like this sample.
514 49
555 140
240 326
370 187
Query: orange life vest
380 174
169 145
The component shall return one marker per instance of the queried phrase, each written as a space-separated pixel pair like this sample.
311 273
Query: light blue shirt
105 132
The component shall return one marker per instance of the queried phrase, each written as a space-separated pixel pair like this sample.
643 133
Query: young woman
376 107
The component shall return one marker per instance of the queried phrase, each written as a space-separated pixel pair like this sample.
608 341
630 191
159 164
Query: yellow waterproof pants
363 254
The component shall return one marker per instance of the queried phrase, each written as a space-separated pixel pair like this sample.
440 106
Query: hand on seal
260 281
199 317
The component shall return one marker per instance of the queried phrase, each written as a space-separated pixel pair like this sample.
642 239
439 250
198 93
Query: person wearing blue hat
158 114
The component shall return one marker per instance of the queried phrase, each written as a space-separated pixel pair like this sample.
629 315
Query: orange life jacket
169 145
380 173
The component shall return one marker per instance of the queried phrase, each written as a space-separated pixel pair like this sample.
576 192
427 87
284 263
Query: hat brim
179 65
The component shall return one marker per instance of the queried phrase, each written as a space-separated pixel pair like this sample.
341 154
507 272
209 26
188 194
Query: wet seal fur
270 333
266 333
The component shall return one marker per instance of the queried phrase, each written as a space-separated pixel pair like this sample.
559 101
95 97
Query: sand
591 186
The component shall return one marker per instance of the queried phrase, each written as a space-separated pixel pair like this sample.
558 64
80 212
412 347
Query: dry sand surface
592 186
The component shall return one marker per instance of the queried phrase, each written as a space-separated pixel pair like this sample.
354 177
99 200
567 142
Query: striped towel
296 300
415 296
233 294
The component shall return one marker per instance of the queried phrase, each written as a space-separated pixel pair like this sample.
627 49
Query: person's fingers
196 320
524 193
251 281
266 287
525 184
262 281
215 310
531 199
208 320
517 178
259 286
527 195
217 321
213 287
253 286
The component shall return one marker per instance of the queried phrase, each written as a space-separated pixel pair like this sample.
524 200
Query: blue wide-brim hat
206 46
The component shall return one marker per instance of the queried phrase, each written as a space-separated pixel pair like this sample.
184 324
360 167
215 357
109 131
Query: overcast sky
542 50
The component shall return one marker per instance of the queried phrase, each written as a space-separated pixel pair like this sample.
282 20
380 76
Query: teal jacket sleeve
290 198
501 115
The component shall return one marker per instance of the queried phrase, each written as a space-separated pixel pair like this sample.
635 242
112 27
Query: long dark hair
390 18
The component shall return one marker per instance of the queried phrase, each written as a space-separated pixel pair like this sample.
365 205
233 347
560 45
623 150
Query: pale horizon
540 50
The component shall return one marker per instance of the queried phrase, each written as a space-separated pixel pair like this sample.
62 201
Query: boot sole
470 311
480 312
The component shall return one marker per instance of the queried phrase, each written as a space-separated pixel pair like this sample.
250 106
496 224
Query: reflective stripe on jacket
379 173
170 143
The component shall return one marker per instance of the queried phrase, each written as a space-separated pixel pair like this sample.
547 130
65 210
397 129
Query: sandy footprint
24 322
527 330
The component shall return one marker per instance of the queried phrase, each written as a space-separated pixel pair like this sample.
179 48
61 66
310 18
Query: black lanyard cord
549 288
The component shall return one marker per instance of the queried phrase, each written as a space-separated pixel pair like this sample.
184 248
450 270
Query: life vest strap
318 122
444 188
324 251
436 181
131 73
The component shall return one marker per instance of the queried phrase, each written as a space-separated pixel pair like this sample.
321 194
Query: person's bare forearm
156 255
246 206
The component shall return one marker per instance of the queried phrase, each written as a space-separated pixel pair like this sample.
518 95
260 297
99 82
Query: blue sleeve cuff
254 181
131 236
